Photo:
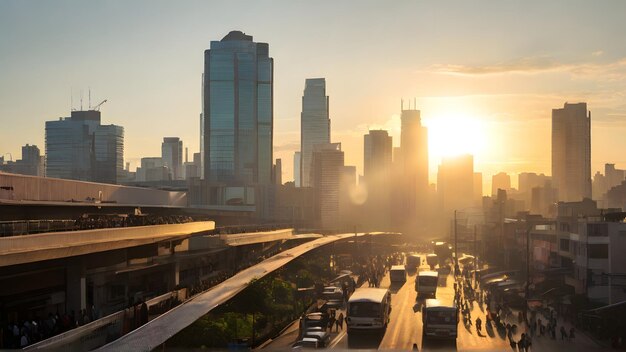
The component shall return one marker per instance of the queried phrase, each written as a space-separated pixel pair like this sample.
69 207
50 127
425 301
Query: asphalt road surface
405 328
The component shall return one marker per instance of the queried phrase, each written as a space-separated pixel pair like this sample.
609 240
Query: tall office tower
80 148
327 169
237 93
377 175
297 169
414 147
455 183
314 124
172 154
278 172
571 152
377 154
501 180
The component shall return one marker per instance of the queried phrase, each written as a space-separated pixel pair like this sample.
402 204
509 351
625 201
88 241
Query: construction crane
97 107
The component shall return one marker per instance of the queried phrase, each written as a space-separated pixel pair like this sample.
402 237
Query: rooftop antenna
81 100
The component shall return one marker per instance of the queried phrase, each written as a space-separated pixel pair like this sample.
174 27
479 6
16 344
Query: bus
426 284
368 309
432 260
413 262
397 273
440 320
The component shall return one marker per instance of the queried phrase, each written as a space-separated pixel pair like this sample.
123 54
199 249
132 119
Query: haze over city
484 84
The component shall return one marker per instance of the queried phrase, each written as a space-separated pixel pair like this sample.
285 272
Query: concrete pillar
75 287
176 274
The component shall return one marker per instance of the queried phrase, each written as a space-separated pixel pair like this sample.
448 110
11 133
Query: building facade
414 154
172 155
237 116
314 124
80 148
32 162
571 151
326 174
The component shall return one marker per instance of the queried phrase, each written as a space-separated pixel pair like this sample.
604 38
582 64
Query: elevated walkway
25 249
159 330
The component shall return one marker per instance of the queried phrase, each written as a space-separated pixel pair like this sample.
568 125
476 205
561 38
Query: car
332 293
323 337
306 343
315 319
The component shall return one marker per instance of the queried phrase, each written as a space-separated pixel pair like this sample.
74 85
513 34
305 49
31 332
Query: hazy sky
485 74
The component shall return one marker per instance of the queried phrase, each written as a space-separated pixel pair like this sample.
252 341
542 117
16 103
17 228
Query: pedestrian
522 343
339 322
571 333
563 333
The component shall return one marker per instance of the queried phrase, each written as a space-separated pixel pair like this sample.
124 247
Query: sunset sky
485 74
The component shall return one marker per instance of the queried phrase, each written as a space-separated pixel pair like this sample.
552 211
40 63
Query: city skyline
541 73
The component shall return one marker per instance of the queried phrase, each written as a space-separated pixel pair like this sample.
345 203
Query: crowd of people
88 222
499 315
19 334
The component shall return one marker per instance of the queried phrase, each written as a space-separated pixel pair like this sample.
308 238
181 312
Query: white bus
413 262
368 309
397 273
440 320
426 284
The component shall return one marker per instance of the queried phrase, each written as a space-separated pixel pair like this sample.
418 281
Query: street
405 328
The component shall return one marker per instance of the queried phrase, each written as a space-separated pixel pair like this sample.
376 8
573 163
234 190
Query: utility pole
527 294
456 247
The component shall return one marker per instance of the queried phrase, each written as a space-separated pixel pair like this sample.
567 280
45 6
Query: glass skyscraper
314 124
237 116
80 148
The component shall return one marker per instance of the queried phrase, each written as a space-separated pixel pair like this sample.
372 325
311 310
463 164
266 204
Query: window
564 244
598 229
599 251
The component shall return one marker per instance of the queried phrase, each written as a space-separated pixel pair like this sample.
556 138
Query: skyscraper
327 169
571 152
172 154
314 124
501 180
455 183
414 150
377 154
237 118
80 148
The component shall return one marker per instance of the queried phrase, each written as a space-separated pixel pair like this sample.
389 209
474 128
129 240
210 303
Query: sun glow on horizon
453 134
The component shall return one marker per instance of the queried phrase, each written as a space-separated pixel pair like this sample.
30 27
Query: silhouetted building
455 183
327 170
193 168
377 176
526 182
377 154
414 153
152 169
478 187
571 151
543 199
314 124
32 162
172 154
501 180
278 172
80 148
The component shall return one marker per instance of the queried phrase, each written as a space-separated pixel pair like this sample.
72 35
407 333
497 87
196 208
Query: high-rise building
153 169
414 150
32 162
237 118
278 172
377 154
172 154
377 176
326 173
478 187
571 151
297 169
80 148
501 180
314 124
455 183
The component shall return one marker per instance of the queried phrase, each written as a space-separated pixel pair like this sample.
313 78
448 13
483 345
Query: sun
455 134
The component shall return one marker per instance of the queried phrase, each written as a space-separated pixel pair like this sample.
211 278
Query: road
405 328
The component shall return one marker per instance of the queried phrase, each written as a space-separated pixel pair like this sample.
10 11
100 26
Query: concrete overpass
159 330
